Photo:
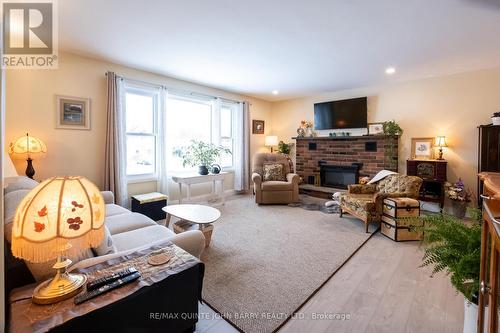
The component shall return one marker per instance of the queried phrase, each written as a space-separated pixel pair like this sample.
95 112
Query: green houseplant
200 154
454 246
391 130
285 148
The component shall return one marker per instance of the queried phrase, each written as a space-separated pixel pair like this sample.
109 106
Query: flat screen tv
347 113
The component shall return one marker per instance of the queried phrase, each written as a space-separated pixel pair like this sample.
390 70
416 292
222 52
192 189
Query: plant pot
203 170
470 317
495 120
458 208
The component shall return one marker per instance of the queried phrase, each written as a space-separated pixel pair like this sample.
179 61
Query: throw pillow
107 246
273 172
11 201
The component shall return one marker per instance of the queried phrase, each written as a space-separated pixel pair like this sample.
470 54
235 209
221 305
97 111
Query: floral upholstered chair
365 201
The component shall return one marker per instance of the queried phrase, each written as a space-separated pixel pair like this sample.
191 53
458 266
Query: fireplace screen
339 176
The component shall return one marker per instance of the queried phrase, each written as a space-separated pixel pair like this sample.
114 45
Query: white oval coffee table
193 217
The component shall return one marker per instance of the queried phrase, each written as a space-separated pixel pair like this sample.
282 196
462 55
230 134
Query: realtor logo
29 34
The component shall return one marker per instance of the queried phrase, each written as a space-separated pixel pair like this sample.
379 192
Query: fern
454 246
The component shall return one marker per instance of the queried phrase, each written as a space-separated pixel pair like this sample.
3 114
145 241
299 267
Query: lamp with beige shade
441 142
271 141
27 146
60 217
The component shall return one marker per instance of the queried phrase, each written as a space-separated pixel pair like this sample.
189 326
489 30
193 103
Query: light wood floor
381 289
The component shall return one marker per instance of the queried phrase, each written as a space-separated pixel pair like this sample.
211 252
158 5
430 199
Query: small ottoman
397 219
150 204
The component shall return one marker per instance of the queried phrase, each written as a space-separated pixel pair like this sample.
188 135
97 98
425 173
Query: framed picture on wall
257 126
422 148
72 113
375 128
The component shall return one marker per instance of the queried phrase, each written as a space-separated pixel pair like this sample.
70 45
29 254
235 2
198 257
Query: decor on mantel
306 129
495 118
393 131
441 142
375 128
27 146
200 154
258 126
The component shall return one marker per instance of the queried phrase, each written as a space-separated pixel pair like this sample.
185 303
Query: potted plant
454 246
495 118
459 196
391 130
285 148
200 154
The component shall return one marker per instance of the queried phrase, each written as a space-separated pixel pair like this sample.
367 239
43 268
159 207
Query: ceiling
297 47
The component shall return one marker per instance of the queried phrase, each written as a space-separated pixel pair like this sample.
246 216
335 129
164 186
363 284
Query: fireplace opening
339 176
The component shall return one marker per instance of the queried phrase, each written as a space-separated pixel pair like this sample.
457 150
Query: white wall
452 106
30 107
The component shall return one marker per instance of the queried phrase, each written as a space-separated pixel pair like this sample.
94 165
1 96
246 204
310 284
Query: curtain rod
175 90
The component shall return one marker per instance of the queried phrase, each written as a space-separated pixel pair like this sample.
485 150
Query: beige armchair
274 192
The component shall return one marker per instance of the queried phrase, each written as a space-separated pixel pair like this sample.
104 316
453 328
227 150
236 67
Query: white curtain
115 178
163 181
242 148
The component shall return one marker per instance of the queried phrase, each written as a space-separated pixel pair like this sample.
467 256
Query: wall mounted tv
347 113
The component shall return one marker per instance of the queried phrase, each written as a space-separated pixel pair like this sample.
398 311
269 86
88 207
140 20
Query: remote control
108 287
98 283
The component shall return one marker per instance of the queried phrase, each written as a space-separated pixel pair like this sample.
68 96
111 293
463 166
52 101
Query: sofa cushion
19 183
135 238
113 209
275 185
127 222
362 204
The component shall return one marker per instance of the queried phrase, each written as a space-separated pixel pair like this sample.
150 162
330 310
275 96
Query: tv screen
347 113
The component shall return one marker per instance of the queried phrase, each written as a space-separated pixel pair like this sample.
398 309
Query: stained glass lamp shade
28 145
61 216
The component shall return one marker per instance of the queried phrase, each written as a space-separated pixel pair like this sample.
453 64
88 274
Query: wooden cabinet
489 151
490 254
433 172
489 148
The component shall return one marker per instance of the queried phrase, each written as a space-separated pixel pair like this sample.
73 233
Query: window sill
145 179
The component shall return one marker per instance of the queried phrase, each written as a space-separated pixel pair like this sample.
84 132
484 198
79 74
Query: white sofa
129 231
133 230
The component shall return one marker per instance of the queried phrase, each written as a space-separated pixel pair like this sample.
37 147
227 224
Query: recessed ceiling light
390 70
275 92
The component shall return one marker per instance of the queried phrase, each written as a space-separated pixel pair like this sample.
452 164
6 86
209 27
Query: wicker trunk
396 219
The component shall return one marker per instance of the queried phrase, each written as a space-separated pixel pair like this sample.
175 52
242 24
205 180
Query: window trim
155 94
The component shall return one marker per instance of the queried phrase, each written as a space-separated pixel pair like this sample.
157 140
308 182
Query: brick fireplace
365 154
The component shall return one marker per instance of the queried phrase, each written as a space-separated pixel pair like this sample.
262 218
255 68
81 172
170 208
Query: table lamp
27 145
441 142
60 217
271 141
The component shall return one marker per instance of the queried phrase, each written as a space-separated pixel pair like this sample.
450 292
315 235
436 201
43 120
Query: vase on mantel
309 132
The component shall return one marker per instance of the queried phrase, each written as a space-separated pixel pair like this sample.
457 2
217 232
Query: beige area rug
266 261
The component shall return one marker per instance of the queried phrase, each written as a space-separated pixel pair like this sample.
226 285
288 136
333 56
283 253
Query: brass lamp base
61 287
